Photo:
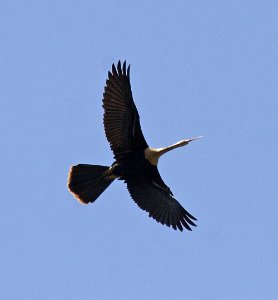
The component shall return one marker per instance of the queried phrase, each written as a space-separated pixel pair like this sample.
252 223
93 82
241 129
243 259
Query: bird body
137 166
135 162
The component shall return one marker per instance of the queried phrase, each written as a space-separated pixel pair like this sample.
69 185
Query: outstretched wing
158 201
121 118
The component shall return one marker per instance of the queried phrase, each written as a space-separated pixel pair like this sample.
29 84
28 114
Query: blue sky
197 68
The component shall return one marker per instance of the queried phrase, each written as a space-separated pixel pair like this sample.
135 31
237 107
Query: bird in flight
135 162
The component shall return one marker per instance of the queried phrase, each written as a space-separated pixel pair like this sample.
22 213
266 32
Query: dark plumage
135 162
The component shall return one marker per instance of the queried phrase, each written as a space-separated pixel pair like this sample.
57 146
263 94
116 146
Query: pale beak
185 142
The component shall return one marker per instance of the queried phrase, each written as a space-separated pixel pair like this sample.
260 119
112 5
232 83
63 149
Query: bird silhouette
135 162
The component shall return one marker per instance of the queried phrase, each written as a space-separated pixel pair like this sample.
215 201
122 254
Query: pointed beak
185 142
195 138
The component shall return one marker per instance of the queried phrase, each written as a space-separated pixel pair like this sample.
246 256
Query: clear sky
197 68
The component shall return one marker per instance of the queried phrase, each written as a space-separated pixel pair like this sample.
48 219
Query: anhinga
135 162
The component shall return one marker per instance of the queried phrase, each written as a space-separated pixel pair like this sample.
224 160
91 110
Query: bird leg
110 173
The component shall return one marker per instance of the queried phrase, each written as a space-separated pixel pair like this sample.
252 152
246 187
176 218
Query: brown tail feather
86 182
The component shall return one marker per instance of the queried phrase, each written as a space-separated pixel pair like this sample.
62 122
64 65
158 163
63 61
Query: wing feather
160 205
121 119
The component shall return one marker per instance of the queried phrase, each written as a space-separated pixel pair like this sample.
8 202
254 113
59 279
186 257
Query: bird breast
152 155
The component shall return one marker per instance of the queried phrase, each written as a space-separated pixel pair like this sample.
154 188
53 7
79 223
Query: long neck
161 151
153 155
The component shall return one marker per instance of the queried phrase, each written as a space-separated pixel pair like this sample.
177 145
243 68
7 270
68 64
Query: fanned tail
87 183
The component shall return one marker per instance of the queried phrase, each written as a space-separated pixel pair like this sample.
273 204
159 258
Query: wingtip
119 67
128 71
114 71
124 68
190 216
